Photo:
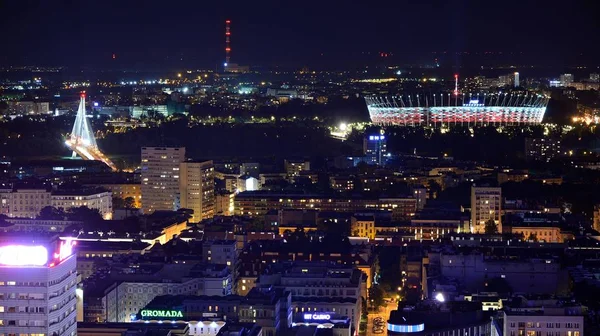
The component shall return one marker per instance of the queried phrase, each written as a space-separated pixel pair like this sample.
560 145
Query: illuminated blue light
225 64
405 328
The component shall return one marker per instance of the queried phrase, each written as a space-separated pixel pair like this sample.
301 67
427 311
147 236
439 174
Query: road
383 312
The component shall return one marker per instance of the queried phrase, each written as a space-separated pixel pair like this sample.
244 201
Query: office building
486 204
524 275
595 77
250 168
268 308
28 107
27 203
342 183
516 79
120 294
38 279
319 287
98 199
294 167
224 204
523 316
566 79
160 177
197 188
375 149
259 203
221 252
247 183
363 226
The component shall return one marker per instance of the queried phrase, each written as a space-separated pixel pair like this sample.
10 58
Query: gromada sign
162 313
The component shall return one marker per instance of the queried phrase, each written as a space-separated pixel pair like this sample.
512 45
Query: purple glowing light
20 255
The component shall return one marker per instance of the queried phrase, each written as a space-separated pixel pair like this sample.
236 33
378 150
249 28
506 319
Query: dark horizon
314 34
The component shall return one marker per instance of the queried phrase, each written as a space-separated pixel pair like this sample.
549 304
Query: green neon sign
162 313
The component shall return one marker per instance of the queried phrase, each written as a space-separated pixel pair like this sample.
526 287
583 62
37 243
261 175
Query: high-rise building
38 279
160 177
486 204
197 188
375 148
516 79
595 77
566 79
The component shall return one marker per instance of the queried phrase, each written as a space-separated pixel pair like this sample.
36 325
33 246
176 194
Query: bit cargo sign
161 313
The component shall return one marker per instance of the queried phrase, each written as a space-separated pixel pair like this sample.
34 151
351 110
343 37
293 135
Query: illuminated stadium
467 109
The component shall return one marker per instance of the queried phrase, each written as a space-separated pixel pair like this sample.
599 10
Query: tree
363 310
376 295
491 227
51 213
128 203
533 237
85 214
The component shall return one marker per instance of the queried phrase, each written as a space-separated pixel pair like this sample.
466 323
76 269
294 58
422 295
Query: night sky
190 33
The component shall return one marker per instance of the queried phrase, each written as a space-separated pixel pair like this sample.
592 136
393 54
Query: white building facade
99 200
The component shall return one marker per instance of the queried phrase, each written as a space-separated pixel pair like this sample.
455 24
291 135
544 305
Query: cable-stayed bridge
82 140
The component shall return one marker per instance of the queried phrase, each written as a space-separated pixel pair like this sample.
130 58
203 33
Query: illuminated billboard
36 255
21 255
317 317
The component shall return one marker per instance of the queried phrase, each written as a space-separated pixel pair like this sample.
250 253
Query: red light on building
227 21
